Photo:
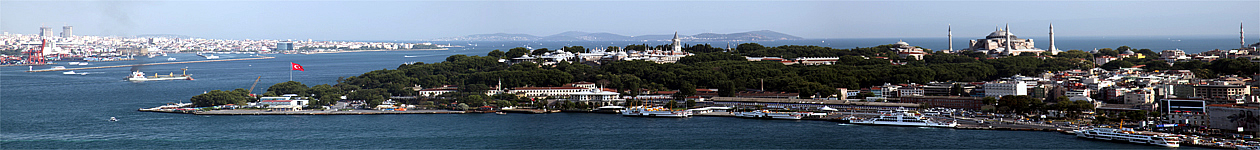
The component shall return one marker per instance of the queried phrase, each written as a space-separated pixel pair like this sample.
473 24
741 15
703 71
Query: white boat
771 114
57 67
73 63
609 109
654 112
113 119
170 59
69 72
139 76
410 56
902 117
1126 134
211 56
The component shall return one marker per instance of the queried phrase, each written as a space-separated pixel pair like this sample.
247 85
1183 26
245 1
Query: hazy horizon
421 20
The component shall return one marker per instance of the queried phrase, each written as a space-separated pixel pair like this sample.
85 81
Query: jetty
149 64
308 112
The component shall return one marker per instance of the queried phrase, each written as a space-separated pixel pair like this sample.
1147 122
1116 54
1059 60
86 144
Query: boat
410 56
609 109
73 63
902 117
500 113
654 112
211 57
69 72
57 67
771 114
170 59
1127 134
139 76
113 119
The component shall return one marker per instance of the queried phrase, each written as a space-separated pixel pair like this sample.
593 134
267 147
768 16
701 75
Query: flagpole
290 71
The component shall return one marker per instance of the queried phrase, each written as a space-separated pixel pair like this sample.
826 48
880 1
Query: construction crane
251 87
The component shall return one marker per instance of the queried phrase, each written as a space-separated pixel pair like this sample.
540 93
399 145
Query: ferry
771 115
654 112
139 76
1127 134
902 117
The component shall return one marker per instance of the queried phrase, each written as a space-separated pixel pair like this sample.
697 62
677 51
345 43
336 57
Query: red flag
297 67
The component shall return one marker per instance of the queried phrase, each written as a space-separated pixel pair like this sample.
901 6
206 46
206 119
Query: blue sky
411 20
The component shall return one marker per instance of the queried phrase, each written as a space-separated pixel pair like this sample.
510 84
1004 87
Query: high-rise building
67 31
284 46
45 32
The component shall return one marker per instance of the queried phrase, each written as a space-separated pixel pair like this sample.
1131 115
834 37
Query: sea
51 110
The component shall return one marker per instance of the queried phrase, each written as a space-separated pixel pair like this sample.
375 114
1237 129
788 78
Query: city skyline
418 20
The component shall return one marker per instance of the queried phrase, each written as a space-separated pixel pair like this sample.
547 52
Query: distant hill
763 35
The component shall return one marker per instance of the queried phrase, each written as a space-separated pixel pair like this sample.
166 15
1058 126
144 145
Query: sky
418 20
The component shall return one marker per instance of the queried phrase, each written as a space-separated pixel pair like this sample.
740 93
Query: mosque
1002 42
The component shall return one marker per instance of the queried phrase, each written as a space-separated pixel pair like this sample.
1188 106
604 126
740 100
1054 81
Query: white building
1004 88
1139 96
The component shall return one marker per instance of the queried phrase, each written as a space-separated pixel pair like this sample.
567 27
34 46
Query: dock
149 64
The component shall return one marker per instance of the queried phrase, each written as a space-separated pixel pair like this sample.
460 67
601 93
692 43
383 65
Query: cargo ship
139 76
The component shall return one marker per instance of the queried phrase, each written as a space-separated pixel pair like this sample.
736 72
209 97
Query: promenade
150 64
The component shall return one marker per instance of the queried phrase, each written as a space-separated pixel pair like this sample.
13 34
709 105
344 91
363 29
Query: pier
266 112
149 64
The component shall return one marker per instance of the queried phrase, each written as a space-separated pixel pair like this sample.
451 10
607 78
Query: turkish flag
297 67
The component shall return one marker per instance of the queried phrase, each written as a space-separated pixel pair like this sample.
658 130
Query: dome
1000 34
901 43
1128 52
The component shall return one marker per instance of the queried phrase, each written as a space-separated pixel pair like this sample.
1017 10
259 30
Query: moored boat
903 117
1127 134
771 114
654 112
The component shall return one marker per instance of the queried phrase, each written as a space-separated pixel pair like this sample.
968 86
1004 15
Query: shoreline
334 52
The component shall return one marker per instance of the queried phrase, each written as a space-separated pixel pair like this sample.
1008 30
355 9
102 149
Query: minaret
1009 47
950 29
1242 41
677 43
1053 50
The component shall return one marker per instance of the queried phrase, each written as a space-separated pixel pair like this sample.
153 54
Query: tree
516 52
686 90
671 104
1108 52
1075 54
691 103
1117 64
539 51
574 49
462 106
749 47
290 87
990 100
217 97
496 53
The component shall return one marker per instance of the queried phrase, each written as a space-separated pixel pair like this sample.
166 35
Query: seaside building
1003 42
1234 117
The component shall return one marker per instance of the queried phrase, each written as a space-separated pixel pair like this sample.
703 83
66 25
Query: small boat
410 56
111 119
73 63
57 67
170 59
500 113
69 72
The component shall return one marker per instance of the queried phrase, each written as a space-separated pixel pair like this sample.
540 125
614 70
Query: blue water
51 110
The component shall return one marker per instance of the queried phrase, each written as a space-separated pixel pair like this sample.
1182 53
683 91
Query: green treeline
728 71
